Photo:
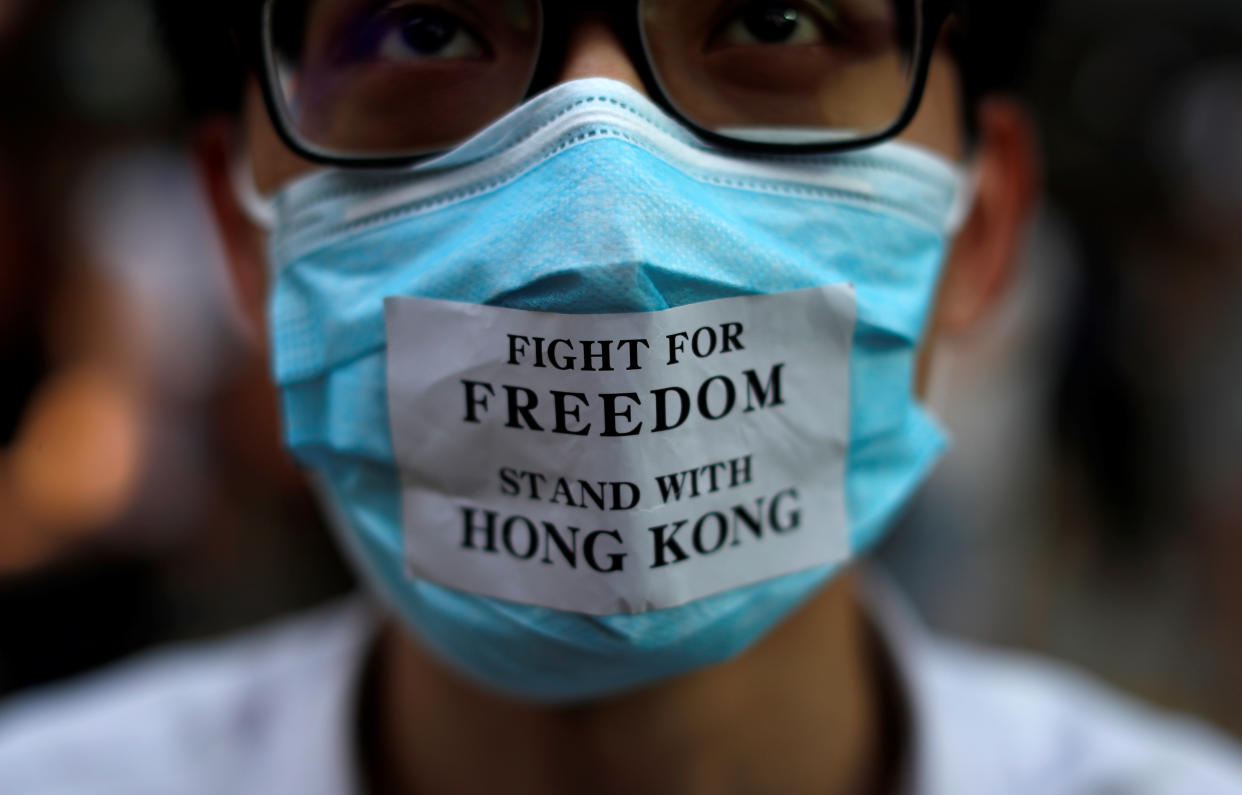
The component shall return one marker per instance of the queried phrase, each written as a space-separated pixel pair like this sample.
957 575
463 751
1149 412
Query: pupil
428 32
771 22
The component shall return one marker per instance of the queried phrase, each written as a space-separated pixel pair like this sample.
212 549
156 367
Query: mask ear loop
260 209
944 356
963 198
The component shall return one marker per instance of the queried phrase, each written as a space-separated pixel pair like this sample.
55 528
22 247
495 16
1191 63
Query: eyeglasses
391 82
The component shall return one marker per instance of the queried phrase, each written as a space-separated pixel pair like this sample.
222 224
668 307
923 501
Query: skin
810 708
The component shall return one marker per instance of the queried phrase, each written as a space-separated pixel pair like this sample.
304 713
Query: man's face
352 377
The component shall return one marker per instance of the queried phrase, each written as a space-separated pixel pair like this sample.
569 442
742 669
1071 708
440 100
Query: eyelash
732 15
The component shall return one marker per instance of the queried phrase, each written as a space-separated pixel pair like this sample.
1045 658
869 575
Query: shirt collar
940 759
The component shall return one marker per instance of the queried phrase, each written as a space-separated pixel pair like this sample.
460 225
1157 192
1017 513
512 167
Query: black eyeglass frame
252 31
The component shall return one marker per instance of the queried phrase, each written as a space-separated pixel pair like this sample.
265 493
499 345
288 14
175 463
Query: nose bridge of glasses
595 49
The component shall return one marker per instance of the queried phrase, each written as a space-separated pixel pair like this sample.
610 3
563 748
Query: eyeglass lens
372 78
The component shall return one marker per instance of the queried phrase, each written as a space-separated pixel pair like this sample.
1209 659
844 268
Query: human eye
767 23
420 31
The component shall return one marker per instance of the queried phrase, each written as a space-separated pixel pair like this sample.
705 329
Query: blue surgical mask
589 200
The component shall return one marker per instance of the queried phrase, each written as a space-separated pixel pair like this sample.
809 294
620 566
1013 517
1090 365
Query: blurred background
1091 509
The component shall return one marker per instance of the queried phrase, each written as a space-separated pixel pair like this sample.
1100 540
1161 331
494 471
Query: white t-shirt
271 712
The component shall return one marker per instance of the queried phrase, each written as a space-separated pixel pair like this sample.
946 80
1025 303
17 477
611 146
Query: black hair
991 39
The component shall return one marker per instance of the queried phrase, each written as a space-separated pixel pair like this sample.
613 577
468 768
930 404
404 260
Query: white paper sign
621 463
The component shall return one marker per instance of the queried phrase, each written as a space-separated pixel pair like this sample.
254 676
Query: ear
214 146
986 250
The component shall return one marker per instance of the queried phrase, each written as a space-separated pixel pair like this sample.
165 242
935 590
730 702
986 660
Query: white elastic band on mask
258 208
964 200
945 356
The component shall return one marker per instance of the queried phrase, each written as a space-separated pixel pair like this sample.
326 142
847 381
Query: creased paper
620 463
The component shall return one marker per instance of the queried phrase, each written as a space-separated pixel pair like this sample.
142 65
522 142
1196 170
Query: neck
802 711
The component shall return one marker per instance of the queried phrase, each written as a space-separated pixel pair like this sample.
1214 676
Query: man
600 331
